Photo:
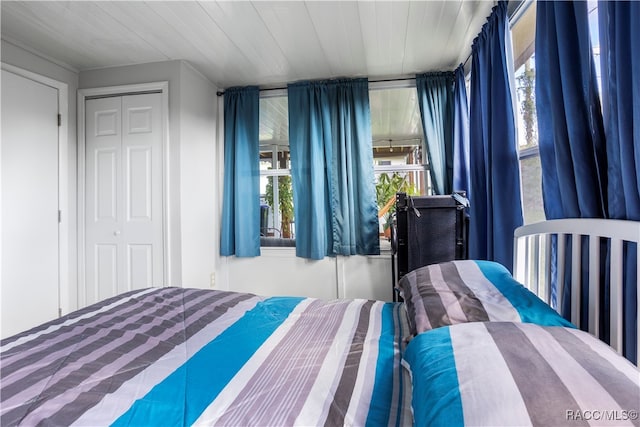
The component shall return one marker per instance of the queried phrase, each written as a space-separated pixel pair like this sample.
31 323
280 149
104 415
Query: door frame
64 286
83 94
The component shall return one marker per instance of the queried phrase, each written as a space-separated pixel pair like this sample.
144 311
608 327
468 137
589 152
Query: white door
29 263
123 217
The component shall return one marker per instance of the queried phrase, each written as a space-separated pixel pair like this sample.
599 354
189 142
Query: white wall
279 272
198 114
39 64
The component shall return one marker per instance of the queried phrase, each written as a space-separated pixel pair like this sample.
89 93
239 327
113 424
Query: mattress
174 356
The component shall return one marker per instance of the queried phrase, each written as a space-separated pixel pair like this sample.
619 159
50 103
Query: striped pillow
470 291
504 373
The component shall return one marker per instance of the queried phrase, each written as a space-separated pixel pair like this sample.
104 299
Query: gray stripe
70 316
406 285
53 352
433 306
278 390
471 305
344 391
624 391
112 331
396 417
85 400
69 335
546 397
166 336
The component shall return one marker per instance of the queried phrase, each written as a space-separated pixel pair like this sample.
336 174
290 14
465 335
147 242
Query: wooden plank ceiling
252 42
267 43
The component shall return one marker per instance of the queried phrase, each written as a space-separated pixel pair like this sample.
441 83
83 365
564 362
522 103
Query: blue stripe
399 311
436 399
380 407
530 308
207 372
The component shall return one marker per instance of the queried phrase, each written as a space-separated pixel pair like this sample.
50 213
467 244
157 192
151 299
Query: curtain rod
399 79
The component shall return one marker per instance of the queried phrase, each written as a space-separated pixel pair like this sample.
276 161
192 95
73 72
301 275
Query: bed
468 346
174 356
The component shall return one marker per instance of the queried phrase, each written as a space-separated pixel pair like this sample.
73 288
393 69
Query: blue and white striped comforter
175 356
519 374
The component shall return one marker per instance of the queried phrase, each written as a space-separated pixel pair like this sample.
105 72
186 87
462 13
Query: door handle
116 233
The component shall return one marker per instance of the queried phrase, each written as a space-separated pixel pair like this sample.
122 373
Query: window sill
277 242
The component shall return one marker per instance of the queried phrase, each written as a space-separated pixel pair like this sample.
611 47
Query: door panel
106 271
30 268
142 228
106 173
140 266
124 182
139 170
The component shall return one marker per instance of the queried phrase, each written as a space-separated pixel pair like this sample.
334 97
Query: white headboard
532 260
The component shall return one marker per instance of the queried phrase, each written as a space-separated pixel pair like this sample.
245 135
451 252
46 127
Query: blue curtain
332 168
240 234
460 132
620 71
496 207
435 98
570 130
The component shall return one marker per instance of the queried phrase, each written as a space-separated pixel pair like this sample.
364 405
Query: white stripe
316 407
585 389
449 299
603 350
498 308
115 404
229 393
480 365
54 328
363 388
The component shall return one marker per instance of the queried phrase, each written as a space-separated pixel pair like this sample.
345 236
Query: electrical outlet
212 278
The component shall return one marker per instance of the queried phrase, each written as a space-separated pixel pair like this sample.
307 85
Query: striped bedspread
175 357
470 291
517 374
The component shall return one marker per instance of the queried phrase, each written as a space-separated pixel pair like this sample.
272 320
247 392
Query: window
277 225
523 40
399 162
595 39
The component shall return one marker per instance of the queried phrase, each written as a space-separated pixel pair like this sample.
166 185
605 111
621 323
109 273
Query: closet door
124 173
29 261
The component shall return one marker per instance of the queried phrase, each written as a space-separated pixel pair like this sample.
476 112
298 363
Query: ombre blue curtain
620 70
435 98
494 193
460 132
332 168
240 234
570 130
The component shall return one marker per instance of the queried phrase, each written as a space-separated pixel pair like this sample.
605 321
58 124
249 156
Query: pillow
470 291
505 373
